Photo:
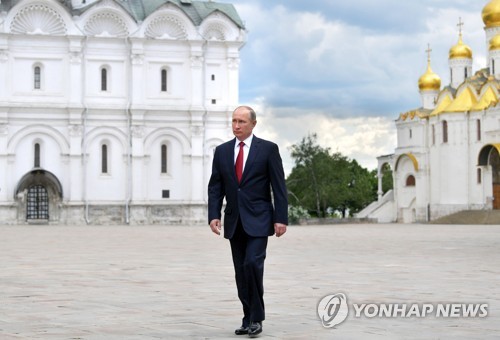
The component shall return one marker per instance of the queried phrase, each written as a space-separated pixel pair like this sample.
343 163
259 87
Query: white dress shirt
246 149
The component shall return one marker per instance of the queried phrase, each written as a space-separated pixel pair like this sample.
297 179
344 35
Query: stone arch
484 154
38 194
38 129
218 27
164 135
106 23
411 157
169 22
212 143
103 132
41 17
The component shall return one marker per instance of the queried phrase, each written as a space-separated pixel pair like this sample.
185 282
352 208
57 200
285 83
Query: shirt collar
247 141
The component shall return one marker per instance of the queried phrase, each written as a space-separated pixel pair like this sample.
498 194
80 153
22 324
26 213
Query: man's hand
215 226
279 229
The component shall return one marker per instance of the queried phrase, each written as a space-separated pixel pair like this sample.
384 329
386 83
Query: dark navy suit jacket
251 200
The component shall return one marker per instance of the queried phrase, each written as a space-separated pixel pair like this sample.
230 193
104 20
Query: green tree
321 180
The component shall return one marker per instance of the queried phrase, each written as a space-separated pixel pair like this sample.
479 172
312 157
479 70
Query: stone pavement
164 282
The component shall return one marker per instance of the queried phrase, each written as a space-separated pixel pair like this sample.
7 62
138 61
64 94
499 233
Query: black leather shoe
241 331
254 329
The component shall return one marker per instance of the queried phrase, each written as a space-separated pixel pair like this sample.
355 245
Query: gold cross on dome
428 50
460 25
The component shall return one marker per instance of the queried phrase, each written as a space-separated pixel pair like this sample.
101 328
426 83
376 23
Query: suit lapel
230 160
254 149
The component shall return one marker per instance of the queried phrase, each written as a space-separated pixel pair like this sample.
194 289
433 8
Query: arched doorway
38 194
489 155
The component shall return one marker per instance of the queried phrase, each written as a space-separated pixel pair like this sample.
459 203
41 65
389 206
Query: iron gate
38 203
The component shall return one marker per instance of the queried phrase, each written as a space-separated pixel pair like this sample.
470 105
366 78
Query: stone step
470 217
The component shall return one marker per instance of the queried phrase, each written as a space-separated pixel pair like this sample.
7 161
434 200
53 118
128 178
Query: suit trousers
249 254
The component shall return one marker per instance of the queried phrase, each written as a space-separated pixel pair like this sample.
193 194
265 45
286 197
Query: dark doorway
494 161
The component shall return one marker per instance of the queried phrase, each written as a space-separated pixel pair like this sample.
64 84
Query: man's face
242 124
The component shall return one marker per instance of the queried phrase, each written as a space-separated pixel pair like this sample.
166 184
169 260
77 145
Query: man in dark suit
244 171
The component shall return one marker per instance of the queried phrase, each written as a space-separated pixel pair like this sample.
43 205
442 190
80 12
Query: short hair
253 115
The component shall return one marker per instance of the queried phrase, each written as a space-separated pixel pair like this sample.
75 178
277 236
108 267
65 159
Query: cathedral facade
110 109
447 156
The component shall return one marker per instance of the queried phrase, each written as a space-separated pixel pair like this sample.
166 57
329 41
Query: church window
478 126
164 81
493 66
104 159
163 159
445 131
37 72
37 155
104 79
465 73
410 181
479 176
433 134
411 134
213 77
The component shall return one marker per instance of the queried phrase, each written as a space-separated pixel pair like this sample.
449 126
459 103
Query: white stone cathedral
110 109
447 156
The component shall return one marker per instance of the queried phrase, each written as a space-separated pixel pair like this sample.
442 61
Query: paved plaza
165 282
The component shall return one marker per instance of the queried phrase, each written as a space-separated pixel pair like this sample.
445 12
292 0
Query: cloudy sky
346 69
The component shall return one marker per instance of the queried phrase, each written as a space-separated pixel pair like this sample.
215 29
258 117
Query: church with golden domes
447 155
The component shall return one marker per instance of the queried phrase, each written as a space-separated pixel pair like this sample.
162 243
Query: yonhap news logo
333 309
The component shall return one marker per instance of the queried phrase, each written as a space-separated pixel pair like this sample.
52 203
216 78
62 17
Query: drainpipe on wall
205 113
128 113
84 133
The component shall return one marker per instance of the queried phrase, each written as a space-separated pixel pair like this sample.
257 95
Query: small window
493 66
478 126
37 78
411 134
213 77
445 131
410 181
214 101
164 80
165 194
433 134
104 159
163 159
37 156
479 176
104 79
465 73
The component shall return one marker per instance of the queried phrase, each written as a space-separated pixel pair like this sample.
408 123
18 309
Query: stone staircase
470 217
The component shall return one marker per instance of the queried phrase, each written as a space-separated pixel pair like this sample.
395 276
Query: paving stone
177 282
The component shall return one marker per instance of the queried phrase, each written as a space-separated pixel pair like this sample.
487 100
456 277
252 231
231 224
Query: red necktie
239 163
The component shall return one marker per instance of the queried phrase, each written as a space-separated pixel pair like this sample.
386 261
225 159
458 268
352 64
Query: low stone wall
326 221
114 214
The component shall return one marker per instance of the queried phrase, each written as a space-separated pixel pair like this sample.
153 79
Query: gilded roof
476 93
420 113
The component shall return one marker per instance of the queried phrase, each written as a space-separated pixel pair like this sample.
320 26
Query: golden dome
495 43
429 81
491 14
460 50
